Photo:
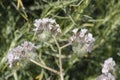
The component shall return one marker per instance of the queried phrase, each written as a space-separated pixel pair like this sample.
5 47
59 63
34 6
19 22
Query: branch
43 66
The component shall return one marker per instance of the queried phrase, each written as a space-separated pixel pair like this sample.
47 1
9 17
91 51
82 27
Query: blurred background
100 17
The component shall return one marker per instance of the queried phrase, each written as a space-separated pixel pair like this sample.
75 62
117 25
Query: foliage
99 16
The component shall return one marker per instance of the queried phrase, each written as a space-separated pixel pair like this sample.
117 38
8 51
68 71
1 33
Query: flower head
106 70
83 38
20 52
28 46
109 76
108 65
46 24
75 30
82 32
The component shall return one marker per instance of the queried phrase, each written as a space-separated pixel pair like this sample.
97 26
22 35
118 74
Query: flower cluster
85 39
108 66
46 24
22 51
109 76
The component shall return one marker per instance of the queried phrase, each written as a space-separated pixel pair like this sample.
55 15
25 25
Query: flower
83 38
89 42
14 55
20 52
106 70
75 30
108 65
82 32
28 46
109 76
46 24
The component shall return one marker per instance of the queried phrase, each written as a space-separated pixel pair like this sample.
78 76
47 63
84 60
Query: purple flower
46 24
108 65
20 52
83 38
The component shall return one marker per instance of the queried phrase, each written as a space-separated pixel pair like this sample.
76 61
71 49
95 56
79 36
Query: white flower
75 30
10 58
28 46
46 24
108 65
83 38
20 52
72 38
89 38
14 55
109 76
37 22
88 47
83 32
58 28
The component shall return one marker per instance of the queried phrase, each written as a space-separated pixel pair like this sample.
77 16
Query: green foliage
101 17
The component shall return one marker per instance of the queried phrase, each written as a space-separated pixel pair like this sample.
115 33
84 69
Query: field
56 52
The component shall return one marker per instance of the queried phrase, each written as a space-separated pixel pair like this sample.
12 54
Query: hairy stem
15 75
60 59
43 66
65 45
60 62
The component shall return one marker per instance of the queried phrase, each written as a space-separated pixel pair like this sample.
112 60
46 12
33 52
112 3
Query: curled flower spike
14 55
109 76
28 46
22 51
83 38
46 24
108 65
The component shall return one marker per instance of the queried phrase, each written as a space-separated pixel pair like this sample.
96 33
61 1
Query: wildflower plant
46 24
23 51
21 26
107 68
45 27
83 40
26 50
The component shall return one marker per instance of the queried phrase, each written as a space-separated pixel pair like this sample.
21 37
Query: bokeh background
100 17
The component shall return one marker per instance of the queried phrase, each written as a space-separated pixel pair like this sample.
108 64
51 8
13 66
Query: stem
15 75
60 59
43 66
56 42
60 62
34 35
65 45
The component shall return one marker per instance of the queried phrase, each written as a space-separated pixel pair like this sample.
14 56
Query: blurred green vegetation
101 17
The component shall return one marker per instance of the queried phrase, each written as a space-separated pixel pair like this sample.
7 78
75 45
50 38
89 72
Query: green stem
15 74
65 45
34 36
43 66
60 59
60 62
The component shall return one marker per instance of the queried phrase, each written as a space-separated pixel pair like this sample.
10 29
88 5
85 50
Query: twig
56 42
43 66
65 45
60 59
60 62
